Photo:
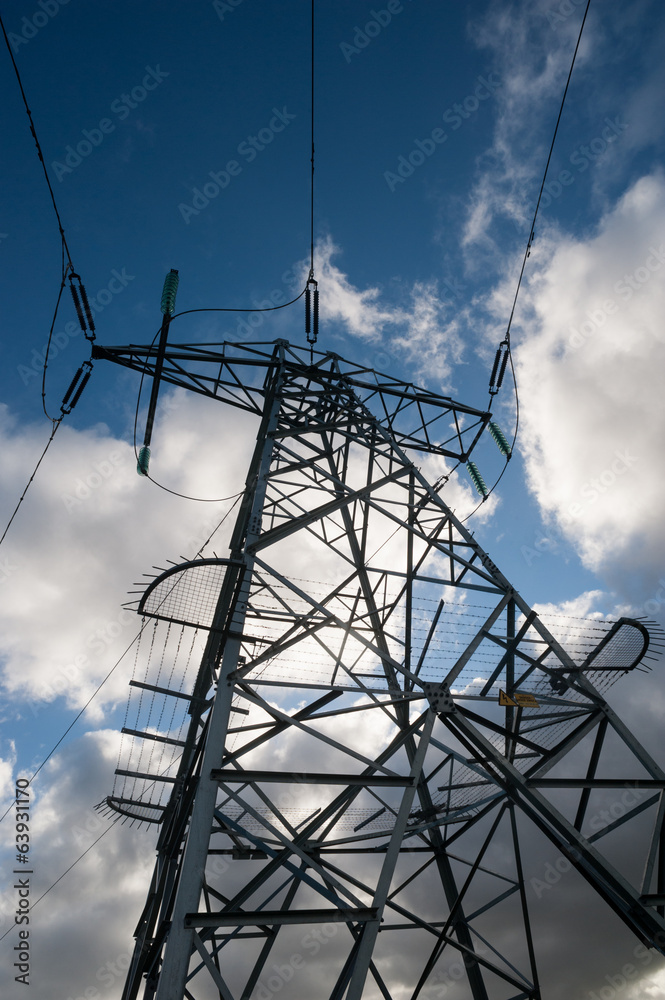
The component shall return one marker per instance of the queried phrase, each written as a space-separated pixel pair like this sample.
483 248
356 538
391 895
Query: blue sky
432 128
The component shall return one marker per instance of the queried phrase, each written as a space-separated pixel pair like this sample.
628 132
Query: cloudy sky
177 135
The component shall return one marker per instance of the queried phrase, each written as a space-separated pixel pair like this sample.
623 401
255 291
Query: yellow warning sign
525 700
517 700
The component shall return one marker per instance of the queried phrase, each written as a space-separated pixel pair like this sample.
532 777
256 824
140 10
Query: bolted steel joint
439 697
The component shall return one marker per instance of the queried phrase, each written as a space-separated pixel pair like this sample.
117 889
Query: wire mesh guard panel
186 594
156 720
319 707
621 649
331 658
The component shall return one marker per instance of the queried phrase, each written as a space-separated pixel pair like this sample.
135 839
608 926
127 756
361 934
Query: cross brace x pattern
372 799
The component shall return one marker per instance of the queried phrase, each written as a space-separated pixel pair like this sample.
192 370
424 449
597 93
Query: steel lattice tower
363 737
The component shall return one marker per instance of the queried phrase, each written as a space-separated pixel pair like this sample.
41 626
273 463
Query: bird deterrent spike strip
500 438
477 479
169 292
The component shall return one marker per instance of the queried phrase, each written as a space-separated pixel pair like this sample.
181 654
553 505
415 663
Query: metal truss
377 720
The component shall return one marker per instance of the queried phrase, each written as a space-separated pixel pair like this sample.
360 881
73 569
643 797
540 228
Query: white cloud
589 371
419 333
527 104
90 914
360 311
89 528
432 343
642 982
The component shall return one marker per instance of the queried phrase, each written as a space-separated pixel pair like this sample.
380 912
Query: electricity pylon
405 717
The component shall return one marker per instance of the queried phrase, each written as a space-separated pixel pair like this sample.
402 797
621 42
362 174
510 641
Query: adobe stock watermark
654 605
553 873
73 674
246 328
248 149
628 974
590 492
84 487
563 11
582 157
121 107
224 7
83 831
625 289
7 568
455 116
443 980
378 20
275 979
61 338
107 975
31 26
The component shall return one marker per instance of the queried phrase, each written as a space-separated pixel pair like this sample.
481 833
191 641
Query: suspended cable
66 872
71 398
504 353
74 391
77 717
312 289
141 462
56 424
50 333
37 144
238 309
143 456
87 851
311 184
115 666
547 165
65 247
